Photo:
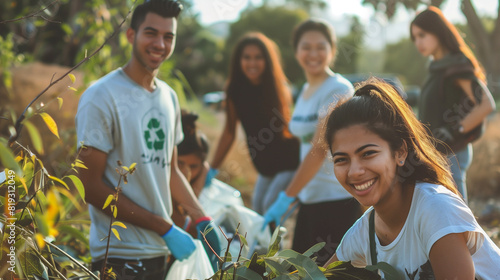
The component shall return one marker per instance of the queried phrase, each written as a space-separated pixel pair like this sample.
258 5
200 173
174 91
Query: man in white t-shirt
131 116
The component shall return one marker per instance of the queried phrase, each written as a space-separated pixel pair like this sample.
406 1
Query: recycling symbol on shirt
154 135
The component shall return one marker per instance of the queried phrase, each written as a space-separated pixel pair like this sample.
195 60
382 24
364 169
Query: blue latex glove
212 238
278 209
212 172
179 242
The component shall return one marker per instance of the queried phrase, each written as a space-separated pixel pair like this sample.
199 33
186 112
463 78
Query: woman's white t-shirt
324 186
434 213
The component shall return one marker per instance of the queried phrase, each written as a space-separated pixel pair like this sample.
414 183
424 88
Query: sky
212 11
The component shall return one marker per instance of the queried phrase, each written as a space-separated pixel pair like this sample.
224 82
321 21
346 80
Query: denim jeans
460 162
267 189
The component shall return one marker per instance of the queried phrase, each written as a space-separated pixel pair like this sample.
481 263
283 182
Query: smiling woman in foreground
383 157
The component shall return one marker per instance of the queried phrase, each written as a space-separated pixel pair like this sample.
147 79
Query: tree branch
35 14
496 31
76 262
18 126
479 33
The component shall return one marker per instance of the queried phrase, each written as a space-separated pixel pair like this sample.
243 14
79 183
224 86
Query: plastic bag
217 196
250 223
197 266
224 204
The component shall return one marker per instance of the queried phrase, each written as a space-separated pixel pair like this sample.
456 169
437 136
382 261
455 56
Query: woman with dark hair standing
258 96
417 222
314 183
454 101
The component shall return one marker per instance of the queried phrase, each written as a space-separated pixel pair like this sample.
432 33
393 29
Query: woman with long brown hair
417 221
454 100
258 97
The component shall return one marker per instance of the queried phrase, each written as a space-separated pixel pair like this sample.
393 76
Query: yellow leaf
116 233
39 240
60 101
24 184
126 168
18 158
108 201
115 211
53 232
72 88
51 124
132 165
72 77
81 165
53 207
59 181
119 224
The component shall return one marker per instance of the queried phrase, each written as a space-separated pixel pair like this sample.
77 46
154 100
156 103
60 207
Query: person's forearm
225 143
478 114
184 195
127 210
307 170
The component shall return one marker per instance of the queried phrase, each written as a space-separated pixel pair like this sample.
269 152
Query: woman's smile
365 165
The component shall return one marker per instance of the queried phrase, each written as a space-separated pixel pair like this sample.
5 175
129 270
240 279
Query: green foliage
91 28
198 56
306 5
349 48
8 58
32 264
346 271
288 264
41 210
45 210
403 58
389 7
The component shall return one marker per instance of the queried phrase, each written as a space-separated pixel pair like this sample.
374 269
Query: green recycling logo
154 135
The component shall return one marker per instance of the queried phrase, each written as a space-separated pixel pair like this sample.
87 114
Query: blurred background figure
258 96
454 101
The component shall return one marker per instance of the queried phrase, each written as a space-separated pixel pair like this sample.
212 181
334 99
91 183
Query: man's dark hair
163 8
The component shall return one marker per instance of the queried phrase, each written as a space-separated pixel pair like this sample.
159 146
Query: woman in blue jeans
454 100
